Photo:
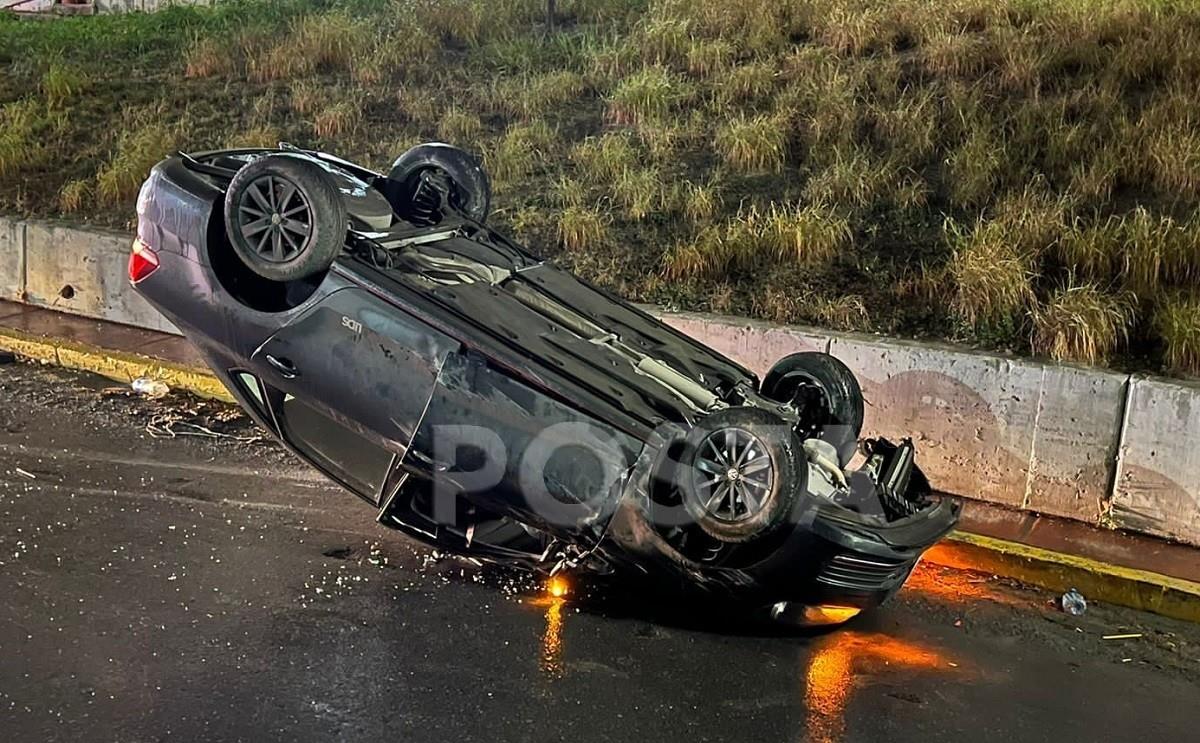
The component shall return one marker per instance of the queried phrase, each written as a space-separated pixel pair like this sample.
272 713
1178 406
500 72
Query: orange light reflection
551 662
955 585
840 661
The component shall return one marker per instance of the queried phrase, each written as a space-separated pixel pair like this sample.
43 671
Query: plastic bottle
1073 603
150 387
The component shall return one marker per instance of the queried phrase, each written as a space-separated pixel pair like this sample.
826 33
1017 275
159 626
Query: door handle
283 365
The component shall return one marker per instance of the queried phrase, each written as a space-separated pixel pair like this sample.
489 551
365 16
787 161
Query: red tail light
142 261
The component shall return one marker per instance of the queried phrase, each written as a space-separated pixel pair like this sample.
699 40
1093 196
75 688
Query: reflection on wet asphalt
195 589
839 660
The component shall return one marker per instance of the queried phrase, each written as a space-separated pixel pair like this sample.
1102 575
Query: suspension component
430 198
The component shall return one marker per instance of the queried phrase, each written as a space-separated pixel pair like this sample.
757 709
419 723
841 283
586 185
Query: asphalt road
193 588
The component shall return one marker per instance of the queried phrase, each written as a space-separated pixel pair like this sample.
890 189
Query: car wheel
284 217
820 375
742 474
425 170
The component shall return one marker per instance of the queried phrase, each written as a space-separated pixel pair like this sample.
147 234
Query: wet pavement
198 588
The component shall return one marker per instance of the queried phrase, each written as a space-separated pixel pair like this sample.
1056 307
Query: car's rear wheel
824 387
429 172
284 217
743 472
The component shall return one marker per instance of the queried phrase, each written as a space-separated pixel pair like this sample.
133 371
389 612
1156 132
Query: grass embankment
1013 173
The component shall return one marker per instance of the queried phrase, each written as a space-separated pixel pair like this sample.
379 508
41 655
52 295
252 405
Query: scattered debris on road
1131 636
151 388
1073 603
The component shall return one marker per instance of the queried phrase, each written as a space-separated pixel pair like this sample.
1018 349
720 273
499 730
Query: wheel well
243 284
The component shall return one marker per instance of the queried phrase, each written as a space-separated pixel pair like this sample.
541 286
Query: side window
360 463
252 387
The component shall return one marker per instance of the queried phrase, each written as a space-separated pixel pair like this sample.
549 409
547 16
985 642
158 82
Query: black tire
284 217
772 472
842 395
470 193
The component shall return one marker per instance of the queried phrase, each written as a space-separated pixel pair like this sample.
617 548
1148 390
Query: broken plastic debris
1073 603
152 388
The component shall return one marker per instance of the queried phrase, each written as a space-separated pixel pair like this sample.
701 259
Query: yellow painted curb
1057 571
120 366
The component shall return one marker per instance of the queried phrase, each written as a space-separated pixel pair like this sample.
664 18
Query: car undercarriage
509 410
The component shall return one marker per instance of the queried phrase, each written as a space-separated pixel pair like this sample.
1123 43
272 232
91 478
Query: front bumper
861 565
835 558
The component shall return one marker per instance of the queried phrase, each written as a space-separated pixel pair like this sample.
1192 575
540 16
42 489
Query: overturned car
493 405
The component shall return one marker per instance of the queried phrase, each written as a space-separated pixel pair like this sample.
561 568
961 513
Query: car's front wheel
284 217
743 472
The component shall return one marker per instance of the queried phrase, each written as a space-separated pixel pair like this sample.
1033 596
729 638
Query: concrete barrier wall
12 259
143 6
1088 444
64 268
1157 489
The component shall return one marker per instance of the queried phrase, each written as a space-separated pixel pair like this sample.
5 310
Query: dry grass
640 191
975 167
647 95
605 158
581 228
1082 322
1092 248
706 255
146 141
61 81
969 161
459 126
570 192
19 145
803 236
1177 321
856 178
210 57
306 96
462 21
1033 218
746 83
421 106
556 89
665 40
709 57
755 144
1148 244
700 201
338 119
73 195
256 136
841 313
523 149
808 235
954 54
315 42
1176 162
992 280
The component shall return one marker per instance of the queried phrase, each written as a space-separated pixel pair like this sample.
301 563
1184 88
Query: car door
358 361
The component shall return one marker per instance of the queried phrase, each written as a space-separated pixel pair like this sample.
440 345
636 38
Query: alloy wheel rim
274 218
734 474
